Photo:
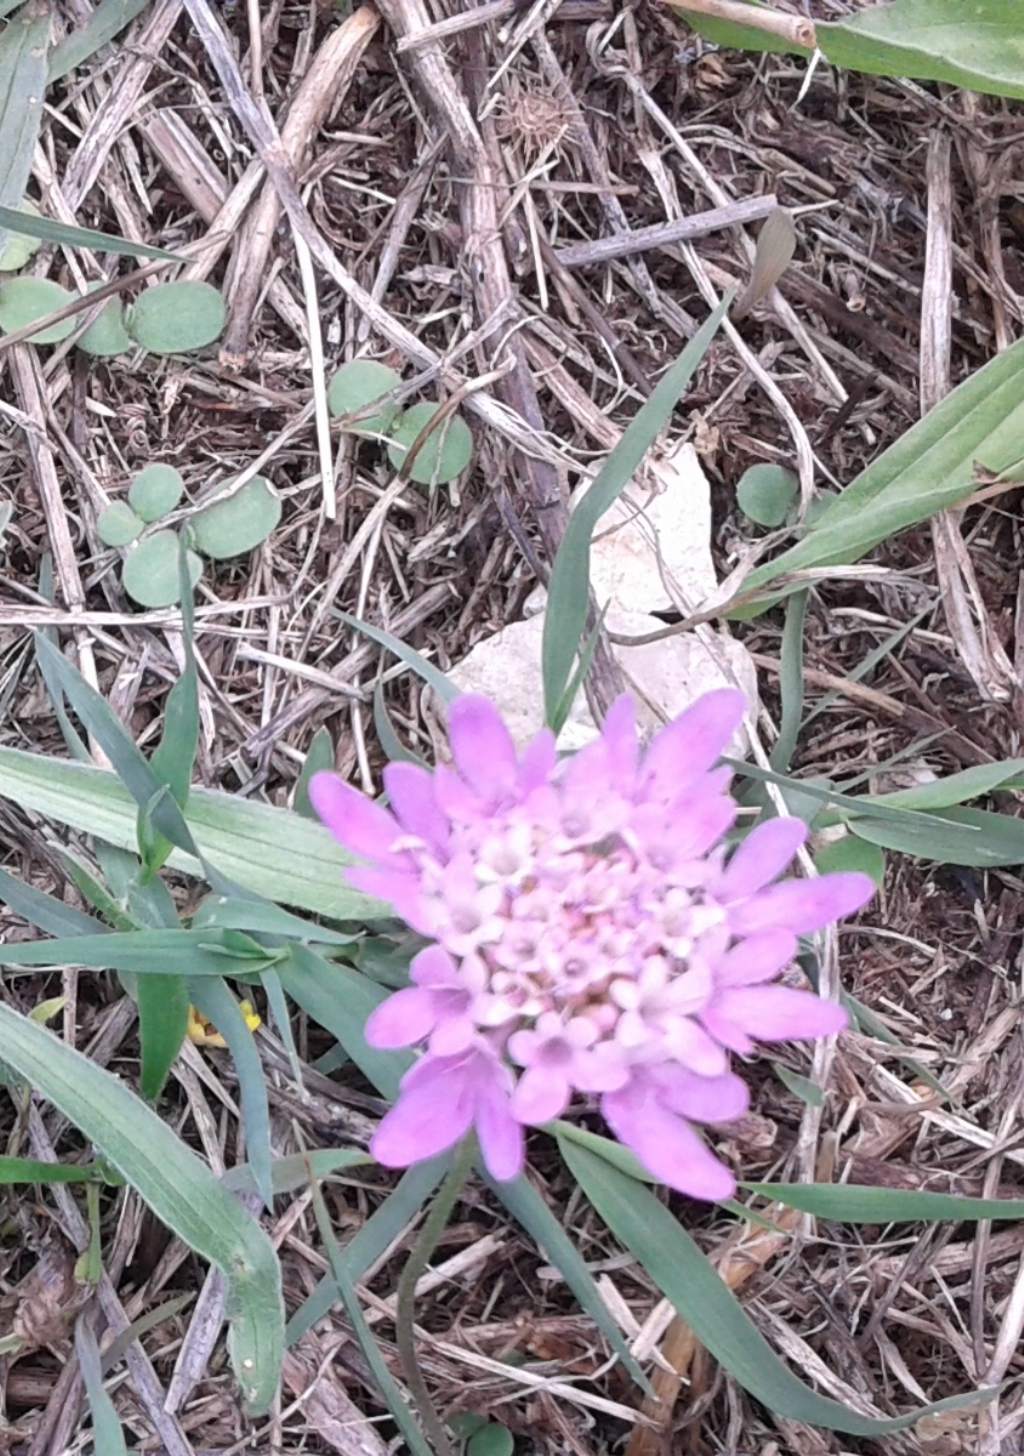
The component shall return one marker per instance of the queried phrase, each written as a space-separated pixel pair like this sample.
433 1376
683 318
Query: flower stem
415 1265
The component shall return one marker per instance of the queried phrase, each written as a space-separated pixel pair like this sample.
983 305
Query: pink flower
590 935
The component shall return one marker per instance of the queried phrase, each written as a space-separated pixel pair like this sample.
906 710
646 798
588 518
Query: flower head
589 934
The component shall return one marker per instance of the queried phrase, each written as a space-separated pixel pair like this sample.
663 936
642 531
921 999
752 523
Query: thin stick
679 230
792 28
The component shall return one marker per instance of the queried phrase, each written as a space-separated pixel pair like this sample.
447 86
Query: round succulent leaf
238 524
106 335
156 491
356 386
851 853
23 300
118 525
765 494
150 572
444 454
491 1440
18 248
173 318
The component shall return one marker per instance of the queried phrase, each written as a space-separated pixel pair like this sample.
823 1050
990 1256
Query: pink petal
355 821
693 742
411 791
452 1035
482 746
454 797
779 1013
401 891
541 1094
803 905
703 823
405 1017
427 1118
690 1044
666 1145
704 1099
725 1031
762 856
619 733
433 967
501 1136
758 958
538 762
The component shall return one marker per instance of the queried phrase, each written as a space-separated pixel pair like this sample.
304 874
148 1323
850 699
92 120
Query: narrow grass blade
852 1203
684 1275
528 1208
791 683
277 1004
34 1170
431 675
175 757
569 588
179 1188
107 20
376 1235
340 1000
319 757
45 911
260 918
24 42
163 1021
143 952
213 999
394 1399
960 836
13 220
107 1435
956 788
291 1173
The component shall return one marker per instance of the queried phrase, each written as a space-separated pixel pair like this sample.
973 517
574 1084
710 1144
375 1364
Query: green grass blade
66 234
960 836
175 756
213 999
291 1173
143 952
270 851
956 788
376 1235
260 918
319 758
179 1188
24 42
163 1021
528 1208
340 1000
107 20
685 1276
420 665
569 587
107 1435
33 1170
45 911
852 1203
791 683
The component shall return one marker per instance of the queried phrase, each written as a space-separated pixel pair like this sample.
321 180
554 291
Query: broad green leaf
24 299
24 42
358 385
377 1234
156 491
107 20
491 1440
48 230
270 851
179 1188
960 836
163 1020
766 494
34 1170
17 249
150 573
107 1435
239 523
175 318
213 999
340 1000
529 1209
569 588
853 1203
106 335
927 470
445 452
685 1276
851 853
978 46
118 525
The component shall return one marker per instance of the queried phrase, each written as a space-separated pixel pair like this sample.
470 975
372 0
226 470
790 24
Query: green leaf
927 470
358 385
569 587
107 1435
142 952
530 1210
766 494
491 1440
34 1170
445 452
319 758
960 836
150 573
24 42
16 249
175 757
24 299
107 20
291 1173
270 851
45 911
260 918
853 1203
163 1021
340 1000
431 675
791 683
214 1001
174 1183
801 1087
175 318
156 491
684 1275
106 335
118 525
957 788
49 230
851 853
239 524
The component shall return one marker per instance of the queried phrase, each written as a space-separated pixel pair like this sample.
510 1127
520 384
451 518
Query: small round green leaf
156 491
18 248
106 335
240 523
491 1440
851 853
356 386
173 318
23 300
150 574
444 454
118 525
766 493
